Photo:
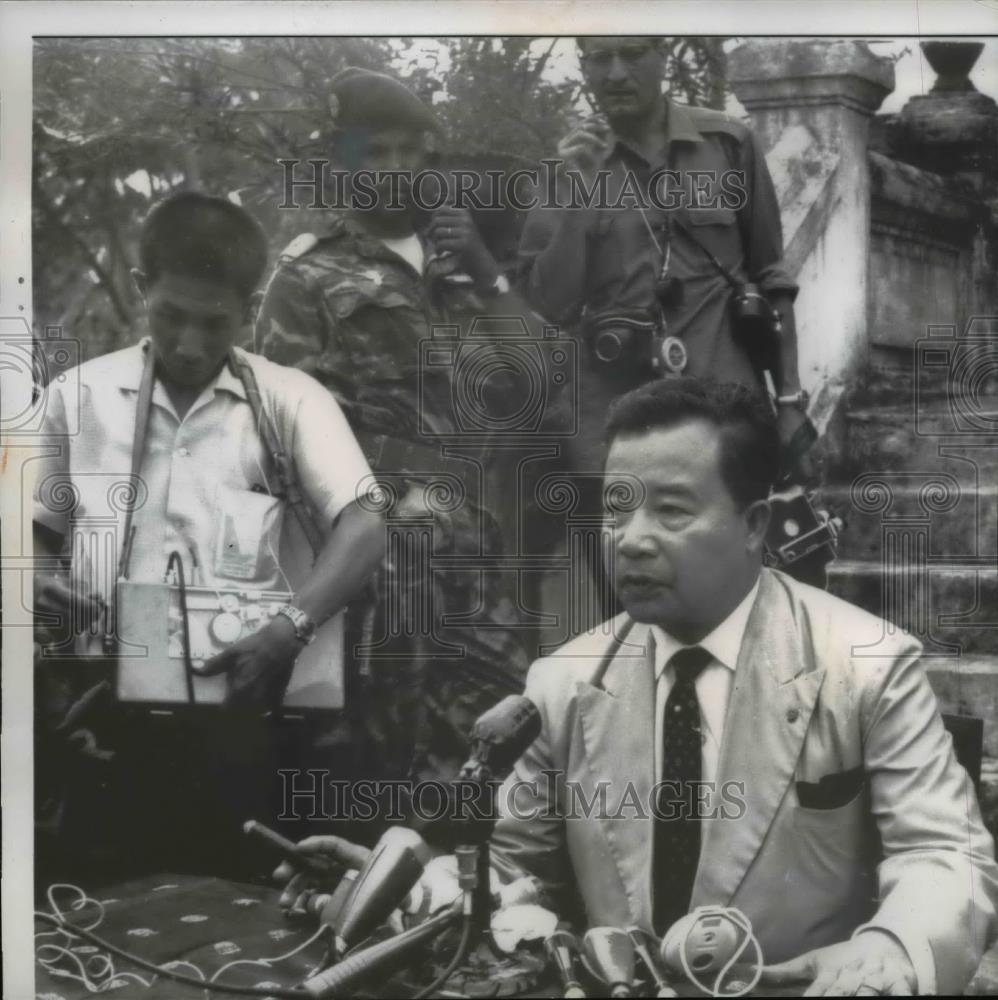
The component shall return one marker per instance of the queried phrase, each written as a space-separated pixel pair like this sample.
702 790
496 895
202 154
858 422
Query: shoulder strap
725 273
280 458
143 407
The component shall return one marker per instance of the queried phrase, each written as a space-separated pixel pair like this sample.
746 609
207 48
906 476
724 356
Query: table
209 922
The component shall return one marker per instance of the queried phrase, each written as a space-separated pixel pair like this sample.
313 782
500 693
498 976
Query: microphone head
393 868
611 956
501 735
703 942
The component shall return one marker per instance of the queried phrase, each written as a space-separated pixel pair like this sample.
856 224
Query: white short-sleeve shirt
208 488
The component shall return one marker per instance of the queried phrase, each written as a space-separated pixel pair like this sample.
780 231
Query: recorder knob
226 628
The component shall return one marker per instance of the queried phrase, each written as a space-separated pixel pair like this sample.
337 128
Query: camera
632 342
151 636
501 381
29 365
966 369
797 528
622 339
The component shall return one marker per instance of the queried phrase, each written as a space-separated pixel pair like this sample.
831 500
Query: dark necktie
677 833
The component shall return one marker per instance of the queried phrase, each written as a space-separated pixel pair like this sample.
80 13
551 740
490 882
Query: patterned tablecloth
207 922
202 923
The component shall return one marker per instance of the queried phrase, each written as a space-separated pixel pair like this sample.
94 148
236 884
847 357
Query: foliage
120 122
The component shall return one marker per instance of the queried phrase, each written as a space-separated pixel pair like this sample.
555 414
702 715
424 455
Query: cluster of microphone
377 882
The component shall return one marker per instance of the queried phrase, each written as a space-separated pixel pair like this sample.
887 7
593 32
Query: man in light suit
835 814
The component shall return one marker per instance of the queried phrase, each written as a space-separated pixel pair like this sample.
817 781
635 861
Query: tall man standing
591 267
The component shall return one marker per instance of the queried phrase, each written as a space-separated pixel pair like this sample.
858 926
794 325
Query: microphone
327 907
500 736
611 955
562 947
704 947
395 864
342 979
641 941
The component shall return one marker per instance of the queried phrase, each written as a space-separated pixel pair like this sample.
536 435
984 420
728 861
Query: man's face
193 323
625 75
685 555
383 151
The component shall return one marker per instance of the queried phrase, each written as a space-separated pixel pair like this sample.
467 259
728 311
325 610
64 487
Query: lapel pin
792 715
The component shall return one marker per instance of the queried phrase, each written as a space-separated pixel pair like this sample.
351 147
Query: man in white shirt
748 740
207 499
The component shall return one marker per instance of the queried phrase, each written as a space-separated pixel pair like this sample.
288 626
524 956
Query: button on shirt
713 685
208 487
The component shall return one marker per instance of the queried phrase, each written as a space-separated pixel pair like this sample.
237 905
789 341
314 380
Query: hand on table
873 963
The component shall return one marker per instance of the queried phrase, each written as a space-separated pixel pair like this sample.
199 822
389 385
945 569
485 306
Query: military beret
361 98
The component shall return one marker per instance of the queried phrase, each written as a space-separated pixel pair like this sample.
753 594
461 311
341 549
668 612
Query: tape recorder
151 659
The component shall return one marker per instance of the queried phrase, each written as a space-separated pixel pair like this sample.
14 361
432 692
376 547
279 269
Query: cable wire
282 992
459 956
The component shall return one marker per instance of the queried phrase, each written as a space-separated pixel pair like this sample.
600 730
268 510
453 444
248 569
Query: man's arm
334 478
762 238
553 261
938 881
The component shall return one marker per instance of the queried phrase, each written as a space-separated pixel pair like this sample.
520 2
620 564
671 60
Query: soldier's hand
258 666
56 598
585 147
300 885
454 231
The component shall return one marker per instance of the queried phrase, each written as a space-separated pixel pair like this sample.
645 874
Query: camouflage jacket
353 314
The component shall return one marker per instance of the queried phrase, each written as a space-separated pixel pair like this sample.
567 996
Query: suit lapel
775 688
618 730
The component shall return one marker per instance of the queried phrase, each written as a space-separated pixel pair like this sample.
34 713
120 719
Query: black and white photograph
499 500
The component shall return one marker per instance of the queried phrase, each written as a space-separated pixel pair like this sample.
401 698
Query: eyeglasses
628 54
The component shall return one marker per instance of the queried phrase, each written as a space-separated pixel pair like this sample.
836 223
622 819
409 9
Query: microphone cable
282 992
460 954
176 563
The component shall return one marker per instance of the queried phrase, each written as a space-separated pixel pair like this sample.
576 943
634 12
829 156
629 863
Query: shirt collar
127 373
679 126
724 643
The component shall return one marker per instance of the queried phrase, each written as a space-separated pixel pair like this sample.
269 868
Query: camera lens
609 345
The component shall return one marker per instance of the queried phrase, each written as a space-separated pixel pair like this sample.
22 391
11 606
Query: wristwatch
304 626
800 399
499 287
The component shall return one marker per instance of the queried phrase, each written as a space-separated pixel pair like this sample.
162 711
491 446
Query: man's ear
253 304
141 281
757 516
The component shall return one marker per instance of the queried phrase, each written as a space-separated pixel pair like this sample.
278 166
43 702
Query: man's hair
750 443
202 236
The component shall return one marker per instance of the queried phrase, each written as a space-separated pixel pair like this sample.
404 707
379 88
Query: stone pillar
810 103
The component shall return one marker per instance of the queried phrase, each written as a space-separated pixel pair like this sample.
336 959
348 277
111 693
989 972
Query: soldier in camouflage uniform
350 307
